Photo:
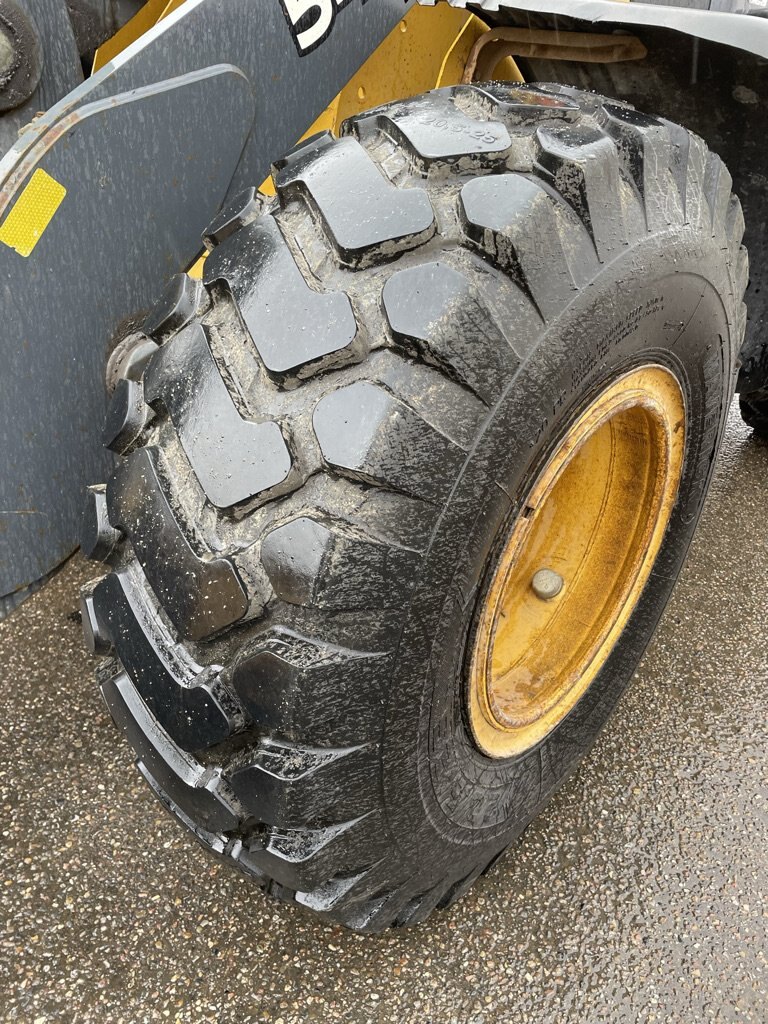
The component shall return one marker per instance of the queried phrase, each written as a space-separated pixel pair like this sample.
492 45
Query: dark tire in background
754 412
710 103
321 463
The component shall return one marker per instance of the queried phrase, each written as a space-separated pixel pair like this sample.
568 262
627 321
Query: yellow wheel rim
576 560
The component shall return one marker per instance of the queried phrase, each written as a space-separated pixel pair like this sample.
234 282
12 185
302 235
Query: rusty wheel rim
575 561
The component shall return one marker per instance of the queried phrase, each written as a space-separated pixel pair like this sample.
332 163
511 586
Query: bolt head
546 584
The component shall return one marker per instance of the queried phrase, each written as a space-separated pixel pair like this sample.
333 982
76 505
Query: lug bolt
546 584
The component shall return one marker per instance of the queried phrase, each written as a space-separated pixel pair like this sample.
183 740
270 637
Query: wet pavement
638 896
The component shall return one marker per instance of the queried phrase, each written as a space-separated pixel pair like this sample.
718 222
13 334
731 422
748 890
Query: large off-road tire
324 461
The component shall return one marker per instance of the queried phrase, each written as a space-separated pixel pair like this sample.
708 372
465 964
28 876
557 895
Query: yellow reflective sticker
23 228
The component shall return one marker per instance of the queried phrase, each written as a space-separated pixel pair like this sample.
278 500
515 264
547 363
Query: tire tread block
519 103
176 690
176 307
244 208
434 128
514 217
311 562
98 538
94 631
717 187
198 791
310 691
435 309
360 208
127 415
735 226
234 459
582 165
305 858
292 326
374 916
328 895
366 431
645 152
420 907
200 596
287 785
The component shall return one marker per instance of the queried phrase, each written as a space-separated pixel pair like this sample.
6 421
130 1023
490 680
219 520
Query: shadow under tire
323 463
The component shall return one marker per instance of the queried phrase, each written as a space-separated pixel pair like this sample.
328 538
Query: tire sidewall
667 302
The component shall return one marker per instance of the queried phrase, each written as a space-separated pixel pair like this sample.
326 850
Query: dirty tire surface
319 460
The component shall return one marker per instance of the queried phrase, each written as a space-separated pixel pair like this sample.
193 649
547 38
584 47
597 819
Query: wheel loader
380 353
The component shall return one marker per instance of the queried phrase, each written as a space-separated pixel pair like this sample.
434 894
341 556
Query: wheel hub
575 562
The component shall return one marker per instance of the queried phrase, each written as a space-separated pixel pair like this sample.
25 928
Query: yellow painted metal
196 270
31 214
147 16
427 49
596 515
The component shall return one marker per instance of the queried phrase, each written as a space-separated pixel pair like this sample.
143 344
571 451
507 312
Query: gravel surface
638 896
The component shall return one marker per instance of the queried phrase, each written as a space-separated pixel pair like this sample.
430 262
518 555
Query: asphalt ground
639 895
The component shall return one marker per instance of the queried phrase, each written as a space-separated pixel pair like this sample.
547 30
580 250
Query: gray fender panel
223 91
